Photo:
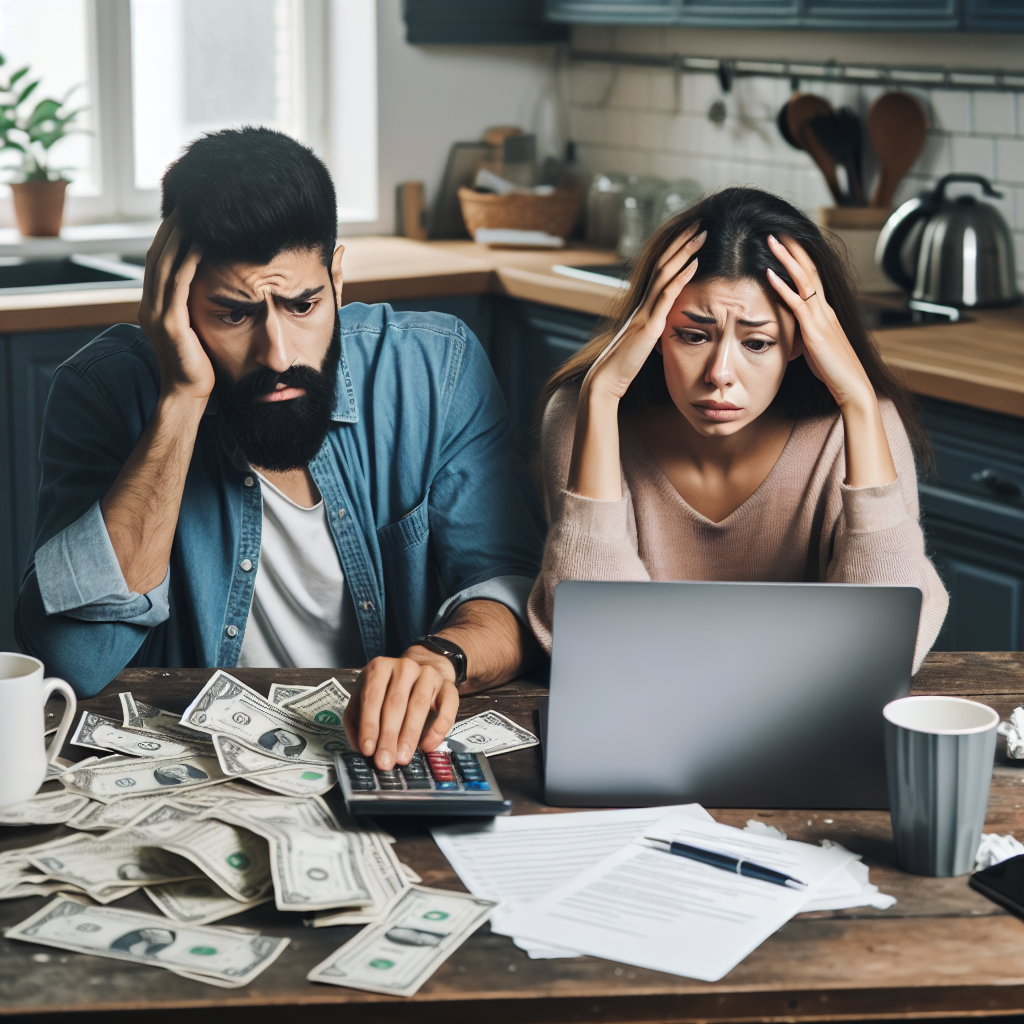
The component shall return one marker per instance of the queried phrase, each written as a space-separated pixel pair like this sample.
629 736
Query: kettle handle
938 195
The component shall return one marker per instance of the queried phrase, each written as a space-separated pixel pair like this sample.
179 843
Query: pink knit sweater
802 524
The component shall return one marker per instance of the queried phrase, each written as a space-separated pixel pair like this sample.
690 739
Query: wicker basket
523 211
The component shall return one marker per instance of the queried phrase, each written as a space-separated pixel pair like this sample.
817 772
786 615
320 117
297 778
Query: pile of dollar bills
221 809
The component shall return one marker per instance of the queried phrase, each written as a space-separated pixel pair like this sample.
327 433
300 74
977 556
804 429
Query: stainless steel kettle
950 252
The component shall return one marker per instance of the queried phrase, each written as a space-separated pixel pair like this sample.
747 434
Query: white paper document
643 906
516 860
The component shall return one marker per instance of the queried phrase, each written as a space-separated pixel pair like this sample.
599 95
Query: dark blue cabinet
973 515
860 15
473 21
528 343
994 15
28 362
877 14
614 12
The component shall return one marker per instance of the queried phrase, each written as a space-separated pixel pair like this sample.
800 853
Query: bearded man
262 477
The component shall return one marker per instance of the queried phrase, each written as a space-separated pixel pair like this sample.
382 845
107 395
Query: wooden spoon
801 110
898 126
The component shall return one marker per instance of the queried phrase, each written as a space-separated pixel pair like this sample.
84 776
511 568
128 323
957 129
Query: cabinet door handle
997 484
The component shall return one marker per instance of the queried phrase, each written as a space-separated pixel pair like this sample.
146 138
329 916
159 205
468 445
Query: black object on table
1003 884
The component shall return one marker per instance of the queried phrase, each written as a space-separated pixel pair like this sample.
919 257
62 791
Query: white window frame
339 110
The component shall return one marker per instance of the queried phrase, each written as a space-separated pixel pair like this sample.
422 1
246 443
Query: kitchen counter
979 363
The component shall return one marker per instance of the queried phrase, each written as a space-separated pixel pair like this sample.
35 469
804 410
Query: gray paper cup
938 759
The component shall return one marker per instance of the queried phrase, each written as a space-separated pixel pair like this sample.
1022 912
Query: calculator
438 783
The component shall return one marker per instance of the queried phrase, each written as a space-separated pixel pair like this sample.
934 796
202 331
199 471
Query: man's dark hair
247 194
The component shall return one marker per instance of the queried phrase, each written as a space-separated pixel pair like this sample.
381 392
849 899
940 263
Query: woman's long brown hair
738 222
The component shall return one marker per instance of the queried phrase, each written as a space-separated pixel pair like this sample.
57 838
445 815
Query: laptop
727 694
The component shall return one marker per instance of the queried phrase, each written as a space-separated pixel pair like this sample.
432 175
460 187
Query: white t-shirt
301 615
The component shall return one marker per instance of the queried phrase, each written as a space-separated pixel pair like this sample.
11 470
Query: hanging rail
728 69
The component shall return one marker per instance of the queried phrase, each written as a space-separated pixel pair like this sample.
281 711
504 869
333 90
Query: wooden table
943 950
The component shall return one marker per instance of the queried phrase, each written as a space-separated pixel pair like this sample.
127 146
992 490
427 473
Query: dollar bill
297 780
197 901
233 857
236 759
18 877
101 865
269 773
100 817
280 692
107 780
228 707
324 704
57 767
139 716
397 955
314 864
489 733
385 878
105 734
44 809
199 951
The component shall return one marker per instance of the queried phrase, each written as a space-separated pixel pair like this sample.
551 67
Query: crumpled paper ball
1013 730
995 849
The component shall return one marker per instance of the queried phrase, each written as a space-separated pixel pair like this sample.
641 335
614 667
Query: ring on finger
807 298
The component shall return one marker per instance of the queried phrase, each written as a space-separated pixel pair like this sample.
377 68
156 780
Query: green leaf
45 110
27 91
17 74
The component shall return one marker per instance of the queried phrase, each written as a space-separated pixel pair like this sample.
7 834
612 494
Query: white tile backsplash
994 113
951 110
974 155
1010 159
657 123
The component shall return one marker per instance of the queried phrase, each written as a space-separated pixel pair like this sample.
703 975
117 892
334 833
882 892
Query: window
155 74
52 37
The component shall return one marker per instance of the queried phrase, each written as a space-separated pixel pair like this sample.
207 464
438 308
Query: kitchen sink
71 273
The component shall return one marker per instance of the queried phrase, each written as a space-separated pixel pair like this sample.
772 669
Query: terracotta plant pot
39 207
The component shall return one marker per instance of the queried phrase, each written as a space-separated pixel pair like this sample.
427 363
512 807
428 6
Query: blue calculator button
446 785
479 786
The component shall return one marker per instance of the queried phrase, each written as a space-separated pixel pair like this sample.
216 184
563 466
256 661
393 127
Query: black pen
737 865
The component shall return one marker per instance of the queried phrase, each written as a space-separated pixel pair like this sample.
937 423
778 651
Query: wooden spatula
898 126
800 110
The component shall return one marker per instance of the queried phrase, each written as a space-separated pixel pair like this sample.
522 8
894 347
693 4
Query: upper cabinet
934 15
994 15
473 21
870 15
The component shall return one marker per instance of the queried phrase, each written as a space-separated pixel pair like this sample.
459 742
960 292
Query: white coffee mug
23 753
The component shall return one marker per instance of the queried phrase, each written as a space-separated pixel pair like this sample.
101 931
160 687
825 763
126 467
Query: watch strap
447 649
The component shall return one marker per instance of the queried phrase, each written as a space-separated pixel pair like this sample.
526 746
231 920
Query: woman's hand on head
617 366
833 361
825 346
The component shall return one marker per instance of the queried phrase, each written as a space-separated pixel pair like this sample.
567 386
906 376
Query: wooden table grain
942 950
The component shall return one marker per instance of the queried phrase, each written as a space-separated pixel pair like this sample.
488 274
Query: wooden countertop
942 950
979 363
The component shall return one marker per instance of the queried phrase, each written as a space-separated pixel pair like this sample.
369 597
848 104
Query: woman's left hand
834 362
826 348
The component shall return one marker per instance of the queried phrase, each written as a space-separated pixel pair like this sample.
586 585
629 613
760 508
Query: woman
738 424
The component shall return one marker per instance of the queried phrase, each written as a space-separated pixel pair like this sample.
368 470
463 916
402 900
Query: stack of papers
589 883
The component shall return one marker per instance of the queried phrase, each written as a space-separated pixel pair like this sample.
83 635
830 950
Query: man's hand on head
185 368
397 698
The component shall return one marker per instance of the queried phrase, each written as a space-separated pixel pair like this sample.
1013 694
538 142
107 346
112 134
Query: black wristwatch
452 651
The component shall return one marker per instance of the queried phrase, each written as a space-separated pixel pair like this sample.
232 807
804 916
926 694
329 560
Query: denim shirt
428 503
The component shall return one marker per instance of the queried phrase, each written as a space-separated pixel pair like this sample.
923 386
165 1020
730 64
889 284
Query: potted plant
39 195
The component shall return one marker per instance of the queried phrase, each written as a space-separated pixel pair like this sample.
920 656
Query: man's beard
282 435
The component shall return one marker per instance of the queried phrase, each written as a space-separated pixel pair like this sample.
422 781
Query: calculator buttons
360 774
436 783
